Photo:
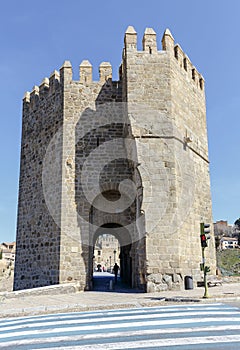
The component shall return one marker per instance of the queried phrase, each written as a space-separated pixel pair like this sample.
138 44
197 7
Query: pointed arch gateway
121 225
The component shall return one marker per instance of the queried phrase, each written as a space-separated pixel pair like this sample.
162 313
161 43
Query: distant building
228 243
8 251
222 228
106 252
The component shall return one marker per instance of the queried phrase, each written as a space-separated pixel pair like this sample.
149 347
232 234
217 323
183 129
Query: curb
77 307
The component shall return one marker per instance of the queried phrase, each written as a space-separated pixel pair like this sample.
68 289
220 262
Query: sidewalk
66 298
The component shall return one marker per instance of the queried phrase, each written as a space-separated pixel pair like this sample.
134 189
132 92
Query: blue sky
36 38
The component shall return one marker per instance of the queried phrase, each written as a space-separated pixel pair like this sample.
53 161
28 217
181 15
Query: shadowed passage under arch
101 281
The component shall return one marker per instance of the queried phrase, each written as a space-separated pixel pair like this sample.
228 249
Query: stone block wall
167 112
38 235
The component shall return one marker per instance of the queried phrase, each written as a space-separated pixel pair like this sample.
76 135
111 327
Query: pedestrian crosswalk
198 326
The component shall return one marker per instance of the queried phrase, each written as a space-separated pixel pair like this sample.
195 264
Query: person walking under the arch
115 270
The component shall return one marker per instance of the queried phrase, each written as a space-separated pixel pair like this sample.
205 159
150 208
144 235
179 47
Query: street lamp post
114 252
110 258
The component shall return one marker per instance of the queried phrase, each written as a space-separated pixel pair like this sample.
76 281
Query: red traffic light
203 241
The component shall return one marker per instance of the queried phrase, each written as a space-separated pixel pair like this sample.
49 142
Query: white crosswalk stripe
199 326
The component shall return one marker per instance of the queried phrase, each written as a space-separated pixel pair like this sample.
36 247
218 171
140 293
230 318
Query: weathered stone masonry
127 157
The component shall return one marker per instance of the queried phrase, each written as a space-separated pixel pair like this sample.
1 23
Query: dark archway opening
103 278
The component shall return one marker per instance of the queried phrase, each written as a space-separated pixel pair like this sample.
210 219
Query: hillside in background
228 261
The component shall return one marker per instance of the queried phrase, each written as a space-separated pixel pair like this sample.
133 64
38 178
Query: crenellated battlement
63 77
34 96
149 46
85 72
47 86
185 63
50 85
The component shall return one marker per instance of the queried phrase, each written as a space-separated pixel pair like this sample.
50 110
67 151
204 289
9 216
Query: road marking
125 329
117 325
121 334
119 319
155 343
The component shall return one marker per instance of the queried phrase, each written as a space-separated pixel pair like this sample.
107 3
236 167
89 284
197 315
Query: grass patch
228 261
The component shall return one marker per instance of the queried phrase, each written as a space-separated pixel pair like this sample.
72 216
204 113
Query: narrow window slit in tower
185 64
176 53
193 74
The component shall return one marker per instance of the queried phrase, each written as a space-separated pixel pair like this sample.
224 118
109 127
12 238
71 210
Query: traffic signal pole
206 269
204 228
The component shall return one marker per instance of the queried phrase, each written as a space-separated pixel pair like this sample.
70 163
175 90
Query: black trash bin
188 282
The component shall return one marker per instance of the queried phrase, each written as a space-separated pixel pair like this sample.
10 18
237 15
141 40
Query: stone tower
127 158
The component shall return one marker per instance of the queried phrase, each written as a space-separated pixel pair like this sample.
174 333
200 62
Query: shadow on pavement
105 282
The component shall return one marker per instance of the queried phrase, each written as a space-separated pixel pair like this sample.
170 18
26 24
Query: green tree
237 226
0 254
217 242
